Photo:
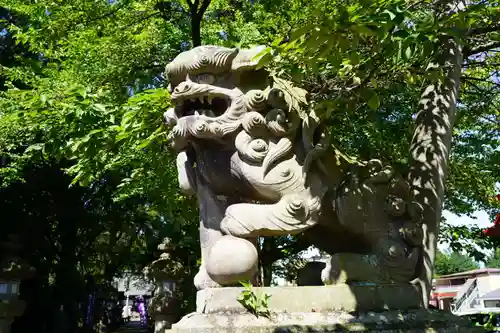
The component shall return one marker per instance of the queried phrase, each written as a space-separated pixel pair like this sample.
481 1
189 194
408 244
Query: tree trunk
267 260
267 274
66 291
196 28
429 153
197 12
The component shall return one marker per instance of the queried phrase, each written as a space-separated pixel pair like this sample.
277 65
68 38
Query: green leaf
364 30
144 144
296 97
402 34
391 14
374 101
35 147
296 34
408 52
264 60
99 107
100 130
246 284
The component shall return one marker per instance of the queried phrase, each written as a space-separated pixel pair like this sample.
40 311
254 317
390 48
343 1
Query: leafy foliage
372 59
257 304
87 105
493 261
453 262
82 92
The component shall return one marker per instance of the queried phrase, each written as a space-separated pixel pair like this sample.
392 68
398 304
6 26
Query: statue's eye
205 78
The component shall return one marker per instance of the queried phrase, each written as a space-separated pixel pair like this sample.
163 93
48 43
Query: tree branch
194 9
110 13
143 18
204 6
480 64
485 80
483 30
483 48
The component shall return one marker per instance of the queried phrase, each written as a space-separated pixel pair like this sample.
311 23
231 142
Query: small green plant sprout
257 304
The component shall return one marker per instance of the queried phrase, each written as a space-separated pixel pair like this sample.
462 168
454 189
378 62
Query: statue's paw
203 281
232 226
291 215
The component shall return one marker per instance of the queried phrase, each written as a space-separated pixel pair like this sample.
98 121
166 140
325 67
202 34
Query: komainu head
210 88
216 91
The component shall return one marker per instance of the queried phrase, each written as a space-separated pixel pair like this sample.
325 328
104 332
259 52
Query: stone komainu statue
261 164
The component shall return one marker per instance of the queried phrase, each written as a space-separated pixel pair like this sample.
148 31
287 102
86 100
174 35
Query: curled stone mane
197 60
213 59
202 62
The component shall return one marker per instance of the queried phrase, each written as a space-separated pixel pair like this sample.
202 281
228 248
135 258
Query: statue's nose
182 87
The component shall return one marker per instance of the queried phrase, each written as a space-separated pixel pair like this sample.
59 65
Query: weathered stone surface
340 297
261 164
232 259
413 321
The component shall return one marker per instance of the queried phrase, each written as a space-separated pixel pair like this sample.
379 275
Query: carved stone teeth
200 98
193 99
209 99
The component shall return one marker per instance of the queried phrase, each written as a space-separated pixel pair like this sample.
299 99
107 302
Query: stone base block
338 308
341 297
413 321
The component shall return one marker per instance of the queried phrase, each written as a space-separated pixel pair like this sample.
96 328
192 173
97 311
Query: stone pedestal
339 308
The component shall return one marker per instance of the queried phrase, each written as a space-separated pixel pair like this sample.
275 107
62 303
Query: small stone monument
13 271
260 162
163 307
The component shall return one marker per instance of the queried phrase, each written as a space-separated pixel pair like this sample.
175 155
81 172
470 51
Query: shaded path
131 327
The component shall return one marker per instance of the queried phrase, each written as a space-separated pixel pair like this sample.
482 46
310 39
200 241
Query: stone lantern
12 271
164 305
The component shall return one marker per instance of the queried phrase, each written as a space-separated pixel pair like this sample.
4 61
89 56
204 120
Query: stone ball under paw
232 259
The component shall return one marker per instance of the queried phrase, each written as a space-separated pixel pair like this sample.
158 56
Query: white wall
485 284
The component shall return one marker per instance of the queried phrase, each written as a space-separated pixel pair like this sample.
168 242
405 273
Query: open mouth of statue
209 106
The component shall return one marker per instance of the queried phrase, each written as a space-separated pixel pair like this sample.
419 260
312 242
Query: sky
480 218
